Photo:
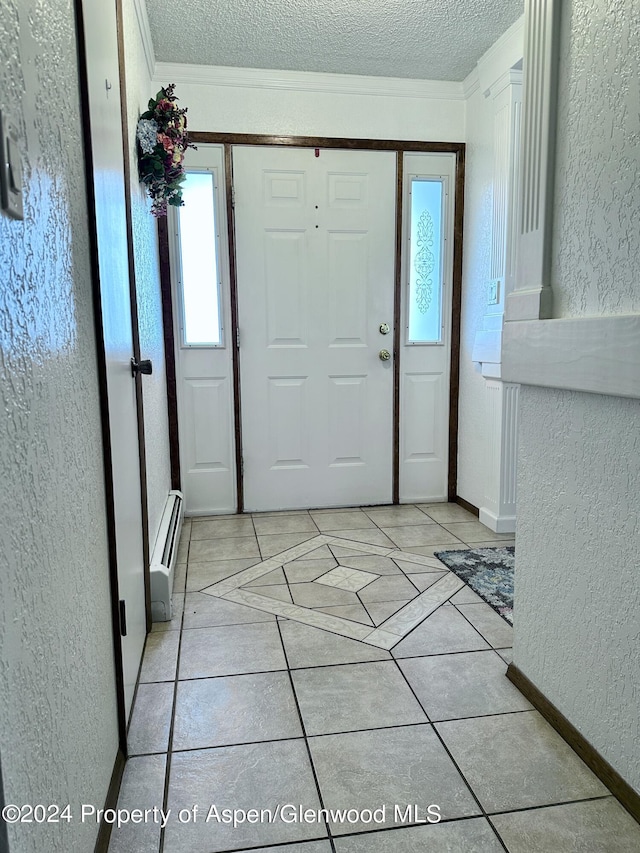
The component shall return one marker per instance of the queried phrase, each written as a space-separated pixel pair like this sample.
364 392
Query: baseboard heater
165 557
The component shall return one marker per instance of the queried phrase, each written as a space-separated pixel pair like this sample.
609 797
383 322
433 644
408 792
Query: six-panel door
315 249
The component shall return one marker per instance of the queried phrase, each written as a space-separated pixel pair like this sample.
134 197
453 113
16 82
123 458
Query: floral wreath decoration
162 140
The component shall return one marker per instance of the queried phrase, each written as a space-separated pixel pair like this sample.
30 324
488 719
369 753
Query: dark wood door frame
400 147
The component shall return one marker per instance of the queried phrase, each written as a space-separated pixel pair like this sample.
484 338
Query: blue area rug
489 572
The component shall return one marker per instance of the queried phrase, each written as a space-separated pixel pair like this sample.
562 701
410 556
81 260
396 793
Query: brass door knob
384 355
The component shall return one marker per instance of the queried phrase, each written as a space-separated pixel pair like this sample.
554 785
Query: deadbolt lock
384 329
384 355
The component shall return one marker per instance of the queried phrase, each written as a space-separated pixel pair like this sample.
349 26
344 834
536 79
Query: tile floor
326 660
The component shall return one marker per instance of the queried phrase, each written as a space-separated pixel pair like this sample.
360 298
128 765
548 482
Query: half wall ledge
597 355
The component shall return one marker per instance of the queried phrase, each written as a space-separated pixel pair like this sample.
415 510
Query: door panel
425 367
204 372
108 176
315 244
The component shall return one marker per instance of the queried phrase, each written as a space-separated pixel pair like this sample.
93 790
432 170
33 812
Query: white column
499 509
531 297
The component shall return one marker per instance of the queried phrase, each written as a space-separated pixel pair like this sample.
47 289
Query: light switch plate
10 169
493 292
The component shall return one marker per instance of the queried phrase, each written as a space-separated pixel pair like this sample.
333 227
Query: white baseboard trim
497 523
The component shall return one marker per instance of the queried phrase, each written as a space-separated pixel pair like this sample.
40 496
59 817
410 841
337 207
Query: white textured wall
145 246
577 622
596 266
292 112
474 414
58 725
577 618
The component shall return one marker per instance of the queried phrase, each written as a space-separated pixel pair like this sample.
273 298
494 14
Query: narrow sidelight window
199 262
425 274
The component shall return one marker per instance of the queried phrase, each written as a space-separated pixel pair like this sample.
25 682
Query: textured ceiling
421 39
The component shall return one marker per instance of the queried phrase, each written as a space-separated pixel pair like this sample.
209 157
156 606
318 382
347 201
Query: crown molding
145 35
506 52
471 83
309 81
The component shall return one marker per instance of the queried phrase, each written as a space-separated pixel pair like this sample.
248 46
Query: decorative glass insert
425 261
199 261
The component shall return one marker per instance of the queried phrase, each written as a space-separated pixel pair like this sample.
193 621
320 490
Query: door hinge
242 466
237 338
122 605
233 196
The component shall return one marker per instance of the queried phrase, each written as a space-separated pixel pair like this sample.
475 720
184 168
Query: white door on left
109 188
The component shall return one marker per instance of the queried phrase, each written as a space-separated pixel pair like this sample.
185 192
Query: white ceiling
420 39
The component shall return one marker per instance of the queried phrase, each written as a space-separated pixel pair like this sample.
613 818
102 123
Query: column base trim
497 523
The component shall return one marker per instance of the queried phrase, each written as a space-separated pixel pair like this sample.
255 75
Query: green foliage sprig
162 140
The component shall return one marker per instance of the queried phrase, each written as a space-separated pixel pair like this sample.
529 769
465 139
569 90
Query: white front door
315 249
109 188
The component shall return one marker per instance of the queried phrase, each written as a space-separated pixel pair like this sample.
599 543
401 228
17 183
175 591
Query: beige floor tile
380 611
276 543
210 550
307 646
142 788
388 588
366 536
493 627
179 577
445 631
222 528
302 847
160 657
465 836
386 766
280 592
175 623
474 531
151 718
423 580
274 577
235 709
599 825
515 761
241 777
231 650
341 520
417 535
348 611
205 611
319 595
430 550
470 684
447 512
305 571
285 524
397 516
339 698
378 565
201 575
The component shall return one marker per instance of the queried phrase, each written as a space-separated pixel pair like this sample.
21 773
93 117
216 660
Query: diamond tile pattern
349 579
322 662
348 584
